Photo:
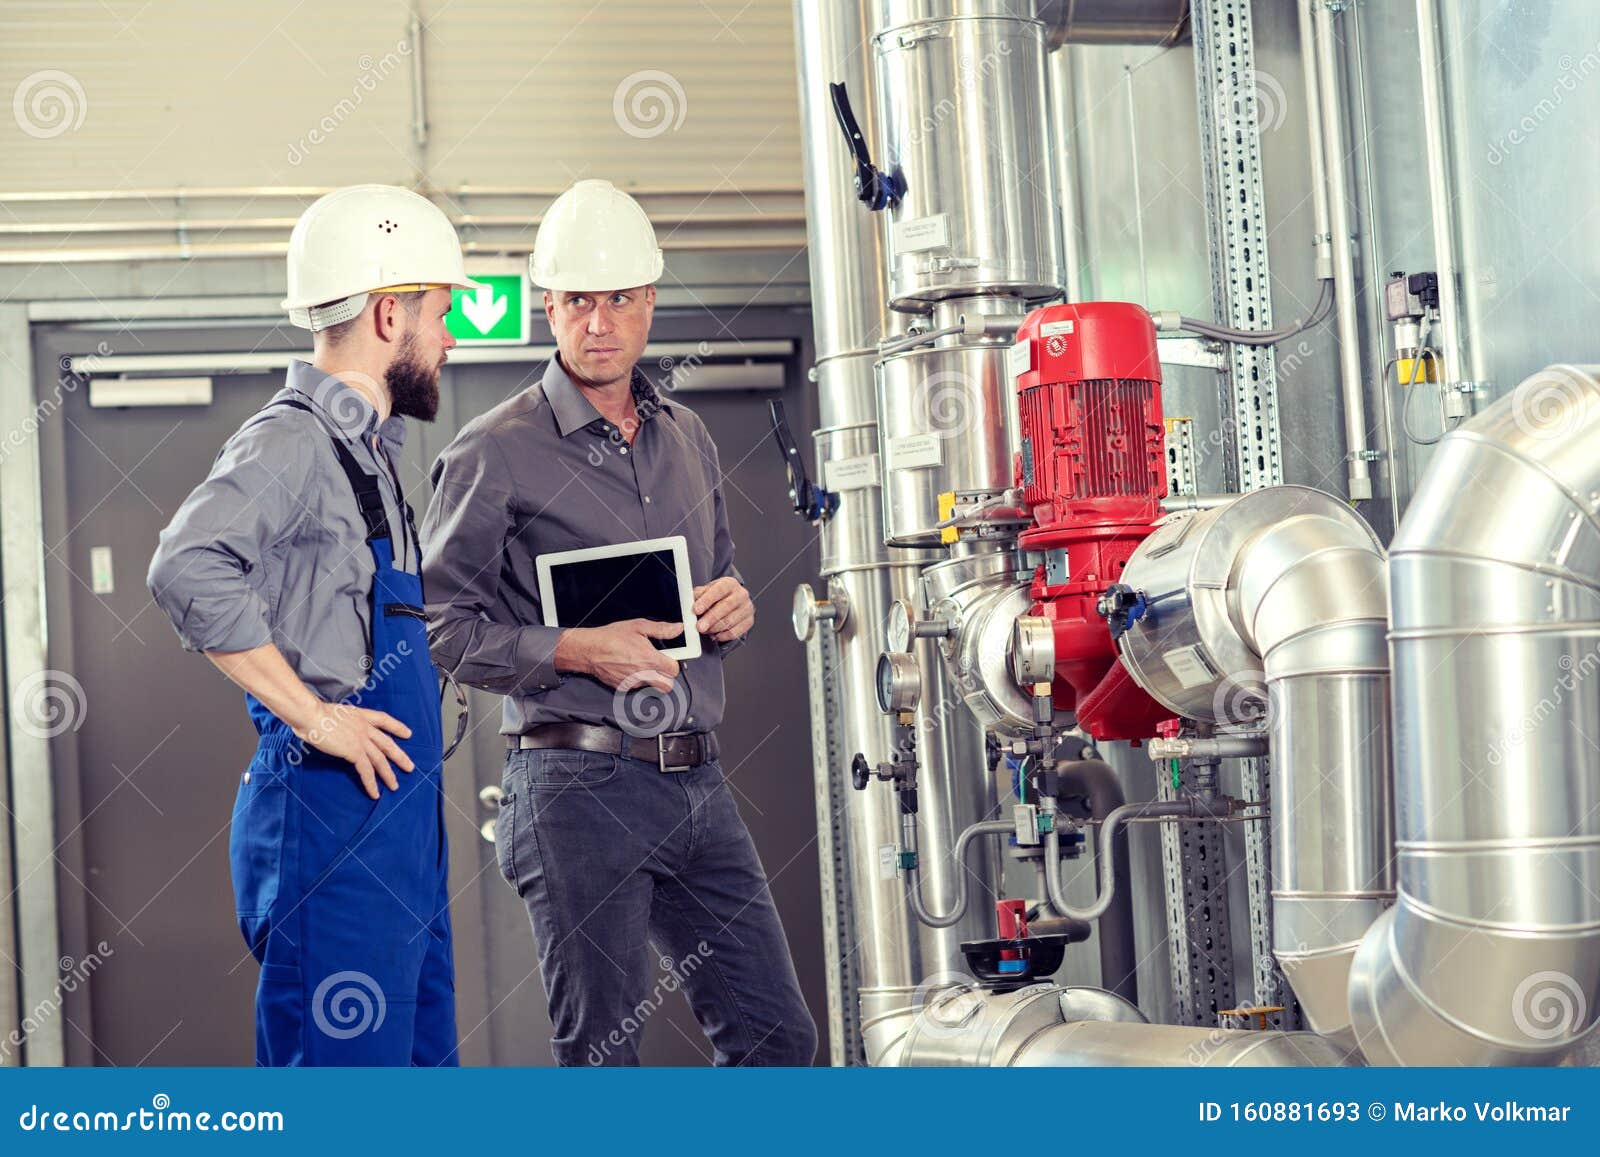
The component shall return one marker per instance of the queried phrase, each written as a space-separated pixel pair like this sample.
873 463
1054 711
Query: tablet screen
597 591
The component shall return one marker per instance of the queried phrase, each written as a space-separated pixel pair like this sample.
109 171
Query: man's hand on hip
362 736
620 655
724 609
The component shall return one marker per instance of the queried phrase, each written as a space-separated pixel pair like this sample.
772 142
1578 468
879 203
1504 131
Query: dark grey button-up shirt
545 472
271 546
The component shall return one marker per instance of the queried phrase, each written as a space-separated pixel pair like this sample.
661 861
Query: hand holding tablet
599 585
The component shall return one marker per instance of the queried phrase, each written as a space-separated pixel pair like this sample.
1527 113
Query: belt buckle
661 752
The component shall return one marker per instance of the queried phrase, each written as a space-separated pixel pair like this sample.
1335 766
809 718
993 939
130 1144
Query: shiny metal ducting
1270 611
1050 1025
962 112
1491 955
1161 22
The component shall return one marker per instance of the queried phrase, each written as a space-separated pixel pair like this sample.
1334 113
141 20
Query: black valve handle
875 188
811 502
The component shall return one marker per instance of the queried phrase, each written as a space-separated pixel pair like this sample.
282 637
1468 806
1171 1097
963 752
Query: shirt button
647 498
247 777
624 449
689 719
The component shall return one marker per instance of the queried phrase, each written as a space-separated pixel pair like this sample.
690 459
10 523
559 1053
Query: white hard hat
595 237
364 238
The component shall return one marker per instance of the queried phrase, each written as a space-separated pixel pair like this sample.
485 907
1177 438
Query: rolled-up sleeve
464 534
206 572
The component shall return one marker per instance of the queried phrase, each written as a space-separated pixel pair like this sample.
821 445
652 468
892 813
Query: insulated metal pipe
1119 964
1491 955
1440 190
1272 610
1344 276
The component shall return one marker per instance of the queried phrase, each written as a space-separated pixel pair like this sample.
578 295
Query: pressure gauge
898 627
899 682
805 612
1033 650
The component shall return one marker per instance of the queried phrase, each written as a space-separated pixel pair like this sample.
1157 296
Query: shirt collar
574 411
344 409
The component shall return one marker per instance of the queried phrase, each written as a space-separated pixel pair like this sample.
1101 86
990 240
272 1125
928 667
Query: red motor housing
1093 471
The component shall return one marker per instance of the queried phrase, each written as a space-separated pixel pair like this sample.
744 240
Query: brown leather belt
669 751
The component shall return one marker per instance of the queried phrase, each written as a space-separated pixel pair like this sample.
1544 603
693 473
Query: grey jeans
611 856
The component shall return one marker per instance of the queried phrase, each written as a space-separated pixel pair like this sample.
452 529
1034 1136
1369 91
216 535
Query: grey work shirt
543 472
271 546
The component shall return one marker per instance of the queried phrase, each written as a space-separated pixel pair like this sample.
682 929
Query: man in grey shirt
293 567
617 826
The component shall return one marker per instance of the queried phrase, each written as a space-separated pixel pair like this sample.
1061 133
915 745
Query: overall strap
369 496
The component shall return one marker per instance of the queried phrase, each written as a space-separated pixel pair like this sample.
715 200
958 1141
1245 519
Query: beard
413 385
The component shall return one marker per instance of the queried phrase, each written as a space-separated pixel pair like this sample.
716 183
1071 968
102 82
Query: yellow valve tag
947 507
1405 367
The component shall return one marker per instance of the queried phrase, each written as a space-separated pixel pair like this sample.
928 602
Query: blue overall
343 899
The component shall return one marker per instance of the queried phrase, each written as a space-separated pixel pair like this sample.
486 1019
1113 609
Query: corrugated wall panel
687 93
197 94
183 92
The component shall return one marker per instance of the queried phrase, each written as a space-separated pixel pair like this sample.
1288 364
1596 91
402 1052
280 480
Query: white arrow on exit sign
495 310
483 308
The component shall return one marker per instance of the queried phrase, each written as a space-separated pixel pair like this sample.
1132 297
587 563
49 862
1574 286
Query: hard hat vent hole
387 226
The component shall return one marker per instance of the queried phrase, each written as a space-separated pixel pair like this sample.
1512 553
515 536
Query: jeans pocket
505 837
571 769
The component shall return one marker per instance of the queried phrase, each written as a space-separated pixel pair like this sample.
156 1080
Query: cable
1263 337
916 339
1405 407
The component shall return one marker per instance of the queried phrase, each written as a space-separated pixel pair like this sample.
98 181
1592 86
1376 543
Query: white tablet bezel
677 544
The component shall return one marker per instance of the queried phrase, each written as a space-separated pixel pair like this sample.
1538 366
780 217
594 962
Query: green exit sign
496 313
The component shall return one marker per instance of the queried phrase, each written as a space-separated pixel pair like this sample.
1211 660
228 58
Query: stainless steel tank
964 127
941 426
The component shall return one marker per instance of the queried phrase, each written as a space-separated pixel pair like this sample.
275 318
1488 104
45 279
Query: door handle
490 796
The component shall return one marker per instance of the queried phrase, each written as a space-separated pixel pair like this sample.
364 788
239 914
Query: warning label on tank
888 861
852 473
1190 666
914 451
1054 328
1019 359
919 234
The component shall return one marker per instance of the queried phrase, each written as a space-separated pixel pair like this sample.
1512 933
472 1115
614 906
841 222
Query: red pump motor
1093 471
